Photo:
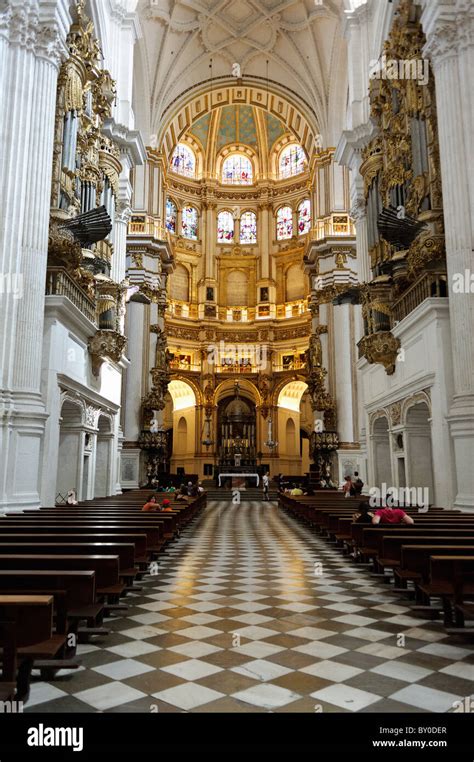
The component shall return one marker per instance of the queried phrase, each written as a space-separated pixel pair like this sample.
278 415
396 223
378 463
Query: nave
317 632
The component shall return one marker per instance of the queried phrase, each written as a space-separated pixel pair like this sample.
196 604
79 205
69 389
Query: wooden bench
106 568
79 589
35 643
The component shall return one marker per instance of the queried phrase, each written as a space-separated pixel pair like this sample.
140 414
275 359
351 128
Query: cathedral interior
235 239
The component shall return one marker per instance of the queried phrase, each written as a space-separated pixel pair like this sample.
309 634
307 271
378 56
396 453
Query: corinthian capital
448 29
22 27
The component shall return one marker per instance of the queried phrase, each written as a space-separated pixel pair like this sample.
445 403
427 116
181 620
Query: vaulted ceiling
296 45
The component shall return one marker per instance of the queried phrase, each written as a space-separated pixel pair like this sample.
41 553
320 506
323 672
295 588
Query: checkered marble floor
251 612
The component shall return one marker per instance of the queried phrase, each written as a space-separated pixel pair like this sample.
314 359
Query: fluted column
29 61
450 46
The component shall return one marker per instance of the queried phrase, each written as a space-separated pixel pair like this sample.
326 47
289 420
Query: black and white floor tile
251 612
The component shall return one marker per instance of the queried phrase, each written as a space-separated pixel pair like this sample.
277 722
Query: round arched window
237 170
183 161
292 161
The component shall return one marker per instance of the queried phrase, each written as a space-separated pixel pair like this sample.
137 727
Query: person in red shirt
150 504
391 516
166 505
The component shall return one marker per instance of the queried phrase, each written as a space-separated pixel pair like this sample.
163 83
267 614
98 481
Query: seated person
166 505
296 490
171 488
363 515
150 504
200 488
192 489
390 515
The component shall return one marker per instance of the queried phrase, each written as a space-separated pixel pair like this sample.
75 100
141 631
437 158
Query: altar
238 480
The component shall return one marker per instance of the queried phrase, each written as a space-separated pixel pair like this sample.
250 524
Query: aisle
239 619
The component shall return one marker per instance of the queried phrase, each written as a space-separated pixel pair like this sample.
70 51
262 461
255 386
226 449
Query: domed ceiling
296 45
238 124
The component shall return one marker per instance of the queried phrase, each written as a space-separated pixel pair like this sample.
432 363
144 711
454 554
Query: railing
60 283
431 284
296 365
148 226
180 365
235 368
334 225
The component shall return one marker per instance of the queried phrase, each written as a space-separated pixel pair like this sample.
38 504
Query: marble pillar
449 31
30 55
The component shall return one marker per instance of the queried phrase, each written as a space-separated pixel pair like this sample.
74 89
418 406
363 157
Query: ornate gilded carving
425 249
105 344
381 347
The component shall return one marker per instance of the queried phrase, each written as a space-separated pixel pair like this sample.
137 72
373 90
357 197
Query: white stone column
119 258
30 49
450 45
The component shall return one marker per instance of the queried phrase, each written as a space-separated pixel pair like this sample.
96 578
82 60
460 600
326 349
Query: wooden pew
89 527
124 551
79 589
35 642
106 568
32 536
445 572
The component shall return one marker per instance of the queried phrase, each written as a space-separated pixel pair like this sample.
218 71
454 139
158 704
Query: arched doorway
71 469
418 449
236 429
293 447
182 441
103 458
381 453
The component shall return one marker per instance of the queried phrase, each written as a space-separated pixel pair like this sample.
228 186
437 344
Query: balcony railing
60 283
334 225
143 225
431 284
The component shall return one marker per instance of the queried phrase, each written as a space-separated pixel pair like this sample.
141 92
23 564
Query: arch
304 216
171 215
225 226
103 457
246 389
183 161
72 412
284 223
237 169
71 447
248 227
381 451
181 438
237 288
189 222
295 283
291 394
418 447
292 161
182 394
291 109
179 284
290 434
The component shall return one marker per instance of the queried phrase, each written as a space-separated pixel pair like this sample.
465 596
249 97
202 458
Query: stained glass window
248 228
292 161
183 161
189 222
237 170
284 223
171 216
225 227
304 217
